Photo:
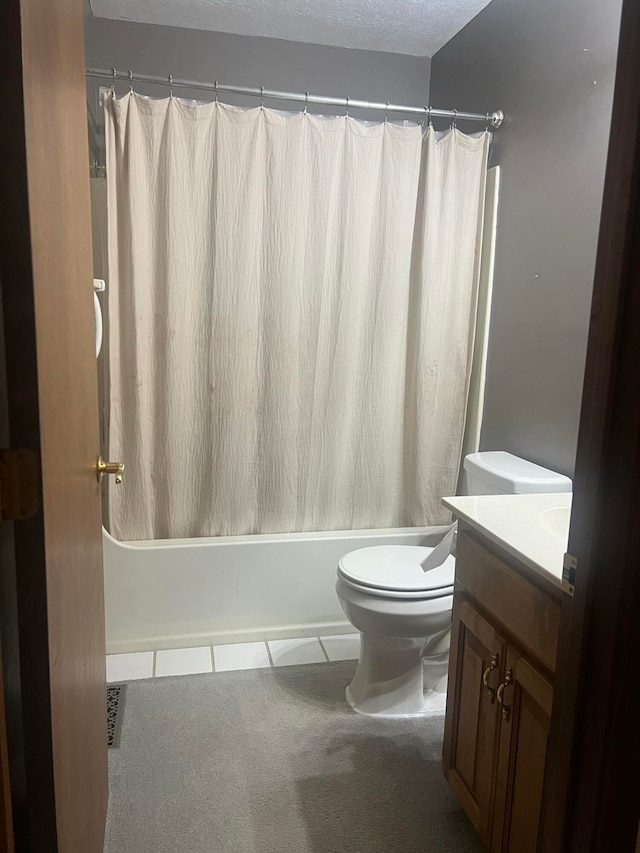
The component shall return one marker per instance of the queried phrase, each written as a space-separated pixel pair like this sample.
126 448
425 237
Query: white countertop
532 528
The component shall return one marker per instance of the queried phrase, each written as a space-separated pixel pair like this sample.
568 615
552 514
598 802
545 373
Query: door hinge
19 485
569 567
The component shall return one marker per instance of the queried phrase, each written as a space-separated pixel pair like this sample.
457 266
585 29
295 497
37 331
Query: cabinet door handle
495 657
508 679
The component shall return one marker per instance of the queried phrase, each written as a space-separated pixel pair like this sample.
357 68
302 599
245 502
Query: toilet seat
394 571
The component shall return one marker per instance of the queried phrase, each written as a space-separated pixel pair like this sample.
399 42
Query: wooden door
525 699
51 584
475 669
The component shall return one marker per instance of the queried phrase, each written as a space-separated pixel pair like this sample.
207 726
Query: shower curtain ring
429 122
306 102
171 85
261 97
113 84
215 86
486 122
454 123
130 80
346 113
386 113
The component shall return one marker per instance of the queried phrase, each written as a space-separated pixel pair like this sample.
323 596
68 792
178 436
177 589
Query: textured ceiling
416 27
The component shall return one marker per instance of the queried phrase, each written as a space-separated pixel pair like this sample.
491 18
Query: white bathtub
176 593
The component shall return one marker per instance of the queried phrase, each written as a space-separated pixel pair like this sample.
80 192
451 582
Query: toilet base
434 704
399 678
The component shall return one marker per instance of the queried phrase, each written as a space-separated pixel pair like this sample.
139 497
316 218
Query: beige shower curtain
292 304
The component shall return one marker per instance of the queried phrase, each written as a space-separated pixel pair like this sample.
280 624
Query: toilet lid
397 568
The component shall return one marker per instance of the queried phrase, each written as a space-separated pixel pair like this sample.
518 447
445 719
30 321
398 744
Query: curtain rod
493 120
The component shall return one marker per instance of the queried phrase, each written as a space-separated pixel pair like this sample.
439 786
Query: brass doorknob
103 468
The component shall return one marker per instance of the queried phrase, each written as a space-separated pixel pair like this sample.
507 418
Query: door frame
6 819
589 803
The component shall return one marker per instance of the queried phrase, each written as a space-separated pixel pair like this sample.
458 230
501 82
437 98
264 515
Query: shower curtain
292 304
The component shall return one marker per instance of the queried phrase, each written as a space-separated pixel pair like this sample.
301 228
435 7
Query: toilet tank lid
513 474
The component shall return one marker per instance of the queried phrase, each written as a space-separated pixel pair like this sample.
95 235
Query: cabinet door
525 699
475 670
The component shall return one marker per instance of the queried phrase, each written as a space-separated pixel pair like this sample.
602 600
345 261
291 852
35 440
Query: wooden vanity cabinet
522 746
503 650
471 725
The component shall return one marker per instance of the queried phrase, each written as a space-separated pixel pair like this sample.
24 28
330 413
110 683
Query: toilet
404 614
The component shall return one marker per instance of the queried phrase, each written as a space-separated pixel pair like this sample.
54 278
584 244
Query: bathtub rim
264 538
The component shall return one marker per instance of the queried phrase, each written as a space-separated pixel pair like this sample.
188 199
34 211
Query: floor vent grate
115 708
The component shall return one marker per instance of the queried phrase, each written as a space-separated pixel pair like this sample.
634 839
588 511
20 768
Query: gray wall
527 57
248 61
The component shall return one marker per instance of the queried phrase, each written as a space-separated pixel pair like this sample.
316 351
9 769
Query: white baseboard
189 641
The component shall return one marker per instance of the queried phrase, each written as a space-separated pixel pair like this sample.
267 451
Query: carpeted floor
274 761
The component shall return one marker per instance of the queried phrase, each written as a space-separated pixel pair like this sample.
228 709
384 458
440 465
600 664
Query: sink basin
556 522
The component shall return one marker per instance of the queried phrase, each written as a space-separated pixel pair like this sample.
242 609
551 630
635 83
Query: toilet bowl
404 617
404 613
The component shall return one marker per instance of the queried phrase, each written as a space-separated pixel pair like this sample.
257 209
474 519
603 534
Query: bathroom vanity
504 640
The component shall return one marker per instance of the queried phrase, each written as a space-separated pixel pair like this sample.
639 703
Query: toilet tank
496 472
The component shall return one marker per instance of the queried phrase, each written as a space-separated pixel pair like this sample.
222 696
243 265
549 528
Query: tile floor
127 667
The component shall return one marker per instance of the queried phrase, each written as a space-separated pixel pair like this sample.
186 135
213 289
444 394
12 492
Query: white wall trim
188 641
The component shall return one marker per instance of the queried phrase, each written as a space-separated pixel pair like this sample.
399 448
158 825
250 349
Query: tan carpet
274 761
